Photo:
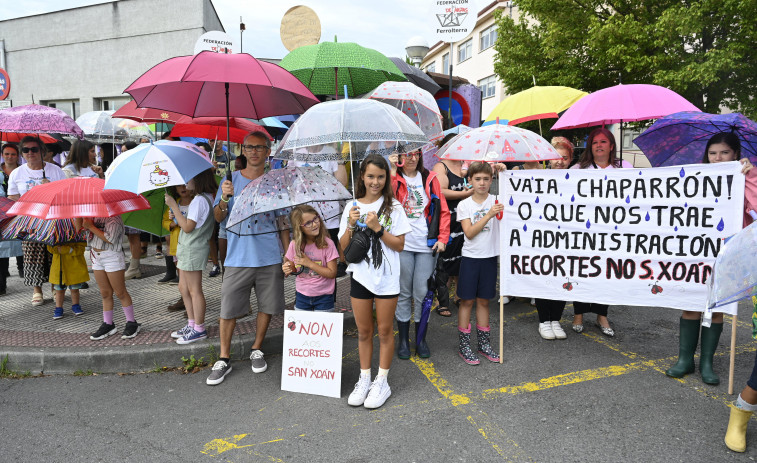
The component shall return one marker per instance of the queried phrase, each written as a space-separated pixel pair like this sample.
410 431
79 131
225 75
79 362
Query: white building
82 59
473 56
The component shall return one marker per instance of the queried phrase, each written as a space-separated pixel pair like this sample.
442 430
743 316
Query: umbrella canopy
5 204
623 103
214 128
149 220
540 102
131 111
735 274
100 127
219 84
284 188
76 197
50 232
681 138
156 165
36 118
416 76
498 143
416 103
272 122
369 126
327 67
12 137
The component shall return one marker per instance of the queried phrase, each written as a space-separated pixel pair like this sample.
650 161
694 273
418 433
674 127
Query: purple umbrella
680 138
36 118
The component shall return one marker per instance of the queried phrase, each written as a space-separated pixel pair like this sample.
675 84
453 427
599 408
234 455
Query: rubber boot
170 271
710 338
484 344
403 350
687 343
133 271
735 436
421 348
465 349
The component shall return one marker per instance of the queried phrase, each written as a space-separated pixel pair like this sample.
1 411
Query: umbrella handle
359 223
499 214
400 165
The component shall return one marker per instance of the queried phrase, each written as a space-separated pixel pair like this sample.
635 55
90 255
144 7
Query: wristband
380 233
224 200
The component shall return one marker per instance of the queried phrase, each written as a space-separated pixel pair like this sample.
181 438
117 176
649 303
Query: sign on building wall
453 20
5 84
646 237
217 42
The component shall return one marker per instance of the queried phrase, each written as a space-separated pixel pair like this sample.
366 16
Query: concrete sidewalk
34 342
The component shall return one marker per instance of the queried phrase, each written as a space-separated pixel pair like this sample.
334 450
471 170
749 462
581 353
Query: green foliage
702 49
192 365
6 372
84 373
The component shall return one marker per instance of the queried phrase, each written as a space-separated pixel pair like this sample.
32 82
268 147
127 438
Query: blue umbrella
680 138
150 166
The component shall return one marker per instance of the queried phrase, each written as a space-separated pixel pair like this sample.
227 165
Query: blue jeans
415 269
324 303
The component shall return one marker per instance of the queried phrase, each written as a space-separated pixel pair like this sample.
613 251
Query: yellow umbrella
539 102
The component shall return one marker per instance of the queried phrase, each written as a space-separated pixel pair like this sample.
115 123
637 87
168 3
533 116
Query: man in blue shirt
252 261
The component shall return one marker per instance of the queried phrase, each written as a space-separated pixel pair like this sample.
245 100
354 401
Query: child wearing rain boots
478 267
68 270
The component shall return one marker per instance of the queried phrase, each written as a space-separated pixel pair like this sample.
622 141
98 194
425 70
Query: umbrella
136 130
416 76
131 111
149 220
734 276
214 128
100 127
416 103
272 122
5 204
430 151
681 138
498 143
283 188
50 232
327 67
220 84
76 197
156 165
35 118
12 137
539 102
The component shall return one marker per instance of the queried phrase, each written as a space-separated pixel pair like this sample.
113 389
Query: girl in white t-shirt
377 278
81 161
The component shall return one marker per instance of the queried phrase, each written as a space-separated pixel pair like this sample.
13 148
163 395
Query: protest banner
312 360
645 237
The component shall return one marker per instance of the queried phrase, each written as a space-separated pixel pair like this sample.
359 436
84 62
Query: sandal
38 299
444 311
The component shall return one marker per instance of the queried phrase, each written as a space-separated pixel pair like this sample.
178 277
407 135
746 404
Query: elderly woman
599 154
34 172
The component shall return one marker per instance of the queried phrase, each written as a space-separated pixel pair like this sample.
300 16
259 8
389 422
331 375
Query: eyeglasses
33 149
312 223
413 154
258 148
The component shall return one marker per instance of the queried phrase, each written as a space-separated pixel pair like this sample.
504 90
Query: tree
703 50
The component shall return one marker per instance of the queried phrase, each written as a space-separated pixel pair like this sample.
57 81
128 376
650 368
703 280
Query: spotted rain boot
465 350
484 346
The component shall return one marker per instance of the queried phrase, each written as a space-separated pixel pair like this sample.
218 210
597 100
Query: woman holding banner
600 153
722 147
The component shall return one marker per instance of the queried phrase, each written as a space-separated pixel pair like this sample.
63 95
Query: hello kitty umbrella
150 166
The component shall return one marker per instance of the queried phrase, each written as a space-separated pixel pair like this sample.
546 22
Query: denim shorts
63 287
324 303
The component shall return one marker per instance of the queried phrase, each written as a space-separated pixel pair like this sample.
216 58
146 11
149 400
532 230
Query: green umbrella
327 67
149 220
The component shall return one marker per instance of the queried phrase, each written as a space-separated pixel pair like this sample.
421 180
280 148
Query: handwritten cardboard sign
646 237
312 360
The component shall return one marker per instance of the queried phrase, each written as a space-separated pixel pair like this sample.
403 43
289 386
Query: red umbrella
76 197
5 204
213 128
131 111
8 137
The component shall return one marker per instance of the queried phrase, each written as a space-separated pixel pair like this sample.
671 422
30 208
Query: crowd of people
406 224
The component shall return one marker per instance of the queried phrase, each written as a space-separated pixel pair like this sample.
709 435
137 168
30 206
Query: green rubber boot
687 344
710 338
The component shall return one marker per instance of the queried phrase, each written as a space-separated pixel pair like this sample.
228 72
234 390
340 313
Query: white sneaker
380 391
362 386
545 330
505 299
557 330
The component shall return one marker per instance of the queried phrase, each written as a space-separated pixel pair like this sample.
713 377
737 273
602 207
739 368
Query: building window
445 63
431 67
464 51
110 104
488 86
70 107
488 37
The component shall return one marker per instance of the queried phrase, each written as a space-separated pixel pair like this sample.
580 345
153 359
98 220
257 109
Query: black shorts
359 291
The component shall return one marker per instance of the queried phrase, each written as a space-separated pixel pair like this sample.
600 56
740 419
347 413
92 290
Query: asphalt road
588 398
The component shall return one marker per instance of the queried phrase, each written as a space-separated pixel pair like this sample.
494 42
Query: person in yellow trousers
745 406
68 270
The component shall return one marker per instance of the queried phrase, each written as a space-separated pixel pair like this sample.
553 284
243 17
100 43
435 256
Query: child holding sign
313 257
478 267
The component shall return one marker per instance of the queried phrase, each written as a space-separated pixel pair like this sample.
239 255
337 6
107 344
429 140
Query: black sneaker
103 332
168 279
131 330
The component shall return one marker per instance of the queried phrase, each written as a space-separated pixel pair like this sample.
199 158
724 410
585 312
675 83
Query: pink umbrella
36 118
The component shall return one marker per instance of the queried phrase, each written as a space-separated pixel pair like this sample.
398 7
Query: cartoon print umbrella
156 165
498 143
281 189
416 103
76 197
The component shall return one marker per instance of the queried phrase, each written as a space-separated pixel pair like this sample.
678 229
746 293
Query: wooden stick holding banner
501 329
732 362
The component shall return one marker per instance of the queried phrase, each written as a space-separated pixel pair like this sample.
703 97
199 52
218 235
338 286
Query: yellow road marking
494 436
427 368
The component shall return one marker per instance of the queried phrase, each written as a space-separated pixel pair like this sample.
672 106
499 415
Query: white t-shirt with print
23 179
385 280
486 243
415 205
199 209
72 171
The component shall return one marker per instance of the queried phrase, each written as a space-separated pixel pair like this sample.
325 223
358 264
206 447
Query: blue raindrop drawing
647 217
573 198
628 199
567 176
511 201
588 224
675 228
721 225
605 177
616 227
682 173
536 200
539 217
716 199
525 227
685 204
639 172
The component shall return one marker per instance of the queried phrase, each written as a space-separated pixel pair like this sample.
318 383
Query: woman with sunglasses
24 178
416 188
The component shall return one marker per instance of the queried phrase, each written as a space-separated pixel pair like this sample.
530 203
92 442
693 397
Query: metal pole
449 97
228 137
241 30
